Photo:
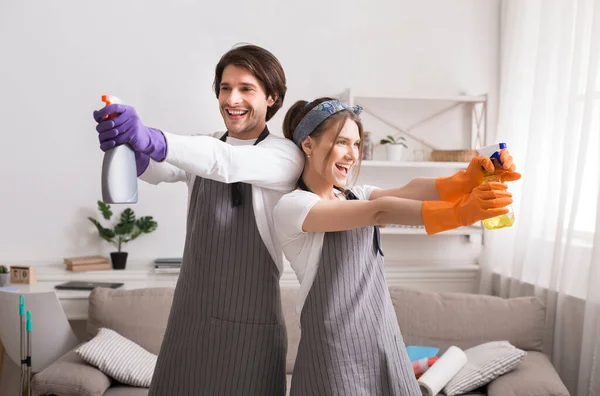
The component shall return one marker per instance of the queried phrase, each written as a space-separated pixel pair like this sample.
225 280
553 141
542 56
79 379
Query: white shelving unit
477 104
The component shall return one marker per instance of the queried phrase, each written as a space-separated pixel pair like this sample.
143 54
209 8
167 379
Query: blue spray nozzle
496 156
21 305
28 320
493 152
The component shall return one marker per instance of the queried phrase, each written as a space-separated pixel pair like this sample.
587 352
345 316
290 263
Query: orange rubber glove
452 188
485 201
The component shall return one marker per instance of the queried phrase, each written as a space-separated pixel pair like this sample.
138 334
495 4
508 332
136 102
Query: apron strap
350 196
236 188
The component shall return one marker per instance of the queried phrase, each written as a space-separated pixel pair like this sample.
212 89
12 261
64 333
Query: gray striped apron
351 343
226 332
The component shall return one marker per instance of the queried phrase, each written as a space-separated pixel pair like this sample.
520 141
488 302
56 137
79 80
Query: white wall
58 57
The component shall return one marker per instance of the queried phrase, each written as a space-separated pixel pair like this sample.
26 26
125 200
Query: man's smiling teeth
237 112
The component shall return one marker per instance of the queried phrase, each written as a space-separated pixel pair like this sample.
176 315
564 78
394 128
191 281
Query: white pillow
485 363
119 358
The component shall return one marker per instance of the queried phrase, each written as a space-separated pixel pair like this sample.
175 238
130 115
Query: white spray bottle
493 153
119 172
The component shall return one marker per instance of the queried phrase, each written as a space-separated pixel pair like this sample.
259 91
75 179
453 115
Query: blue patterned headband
317 115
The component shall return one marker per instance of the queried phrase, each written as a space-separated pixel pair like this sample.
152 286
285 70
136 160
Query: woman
351 342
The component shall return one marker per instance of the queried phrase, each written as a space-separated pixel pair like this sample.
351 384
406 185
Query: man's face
243 103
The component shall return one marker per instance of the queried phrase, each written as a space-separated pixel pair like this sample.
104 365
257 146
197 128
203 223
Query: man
225 334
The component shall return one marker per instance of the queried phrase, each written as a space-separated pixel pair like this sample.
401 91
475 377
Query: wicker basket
453 155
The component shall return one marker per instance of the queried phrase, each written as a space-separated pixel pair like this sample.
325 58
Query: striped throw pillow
119 358
485 363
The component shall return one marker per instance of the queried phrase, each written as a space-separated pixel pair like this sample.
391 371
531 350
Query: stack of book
167 265
87 263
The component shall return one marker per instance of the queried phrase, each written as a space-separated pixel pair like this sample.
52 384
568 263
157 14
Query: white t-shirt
272 167
303 249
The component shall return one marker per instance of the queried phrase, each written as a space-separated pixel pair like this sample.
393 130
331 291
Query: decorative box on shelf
23 274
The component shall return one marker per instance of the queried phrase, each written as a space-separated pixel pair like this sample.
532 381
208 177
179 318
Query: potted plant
395 147
4 276
126 230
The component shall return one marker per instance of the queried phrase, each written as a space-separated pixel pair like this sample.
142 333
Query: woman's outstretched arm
420 189
330 216
485 201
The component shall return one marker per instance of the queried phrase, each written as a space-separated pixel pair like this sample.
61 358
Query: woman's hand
484 202
454 187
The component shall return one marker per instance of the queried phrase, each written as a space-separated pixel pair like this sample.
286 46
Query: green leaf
146 224
125 226
128 216
104 233
124 229
105 210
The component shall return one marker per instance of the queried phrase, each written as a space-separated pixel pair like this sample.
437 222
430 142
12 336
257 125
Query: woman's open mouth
344 169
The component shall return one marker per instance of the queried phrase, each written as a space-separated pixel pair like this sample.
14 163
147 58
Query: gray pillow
70 376
119 358
485 363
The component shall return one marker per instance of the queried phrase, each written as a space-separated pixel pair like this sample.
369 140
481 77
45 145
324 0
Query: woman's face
344 153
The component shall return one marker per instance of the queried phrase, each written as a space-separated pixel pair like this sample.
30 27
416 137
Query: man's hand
127 128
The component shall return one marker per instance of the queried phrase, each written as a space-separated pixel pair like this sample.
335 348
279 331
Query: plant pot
119 259
394 152
4 279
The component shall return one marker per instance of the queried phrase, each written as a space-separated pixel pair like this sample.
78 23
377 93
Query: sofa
425 318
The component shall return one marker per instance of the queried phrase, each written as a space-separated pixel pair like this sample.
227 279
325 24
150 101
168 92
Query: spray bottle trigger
502 146
496 157
108 100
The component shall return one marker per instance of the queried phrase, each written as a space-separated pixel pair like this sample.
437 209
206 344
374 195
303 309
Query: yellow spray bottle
493 153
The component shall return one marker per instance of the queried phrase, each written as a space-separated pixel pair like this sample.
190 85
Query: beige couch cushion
140 315
70 376
534 376
466 320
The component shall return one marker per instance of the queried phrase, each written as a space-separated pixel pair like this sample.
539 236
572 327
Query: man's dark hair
263 65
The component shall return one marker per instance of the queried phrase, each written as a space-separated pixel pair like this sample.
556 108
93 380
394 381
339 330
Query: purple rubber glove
141 162
127 128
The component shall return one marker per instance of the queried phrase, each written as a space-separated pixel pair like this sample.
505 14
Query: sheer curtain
549 116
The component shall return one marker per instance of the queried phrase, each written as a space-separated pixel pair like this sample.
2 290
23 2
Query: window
587 205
